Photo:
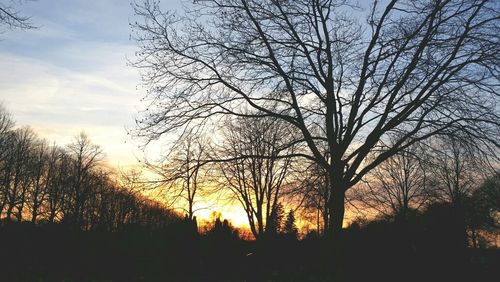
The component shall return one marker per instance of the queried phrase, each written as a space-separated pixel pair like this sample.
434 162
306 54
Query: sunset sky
249 140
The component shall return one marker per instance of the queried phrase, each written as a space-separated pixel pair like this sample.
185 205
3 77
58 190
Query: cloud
61 101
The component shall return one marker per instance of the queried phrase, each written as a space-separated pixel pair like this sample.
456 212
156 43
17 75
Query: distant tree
254 167
132 180
131 185
289 227
346 80
182 173
58 181
483 207
317 194
457 168
396 186
6 138
222 230
41 172
275 220
17 173
6 124
43 183
488 194
85 156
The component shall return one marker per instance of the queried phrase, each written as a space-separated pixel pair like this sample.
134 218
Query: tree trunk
336 211
325 211
9 212
34 213
260 220
190 209
474 238
336 219
336 208
52 215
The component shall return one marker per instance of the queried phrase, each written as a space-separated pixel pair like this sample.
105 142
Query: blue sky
71 73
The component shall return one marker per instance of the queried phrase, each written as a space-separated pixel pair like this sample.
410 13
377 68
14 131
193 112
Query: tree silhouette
483 207
275 220
346 80
289 227
6 124
399 184
38 191
18 172
317 194
457 169
58 180
182 172
255 165
85 156
41 183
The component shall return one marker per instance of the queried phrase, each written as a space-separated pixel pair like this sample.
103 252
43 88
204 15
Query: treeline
44 183
256 164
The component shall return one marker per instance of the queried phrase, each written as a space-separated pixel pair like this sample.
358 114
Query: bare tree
41 171
6 124
397 185
256 167
85 156
58 177
182 173
457 168
317 194
17 174
6 138
416 68
11 17
39 182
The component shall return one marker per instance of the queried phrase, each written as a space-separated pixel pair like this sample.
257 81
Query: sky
71 74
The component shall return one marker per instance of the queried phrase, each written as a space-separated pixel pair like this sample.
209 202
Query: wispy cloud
60 101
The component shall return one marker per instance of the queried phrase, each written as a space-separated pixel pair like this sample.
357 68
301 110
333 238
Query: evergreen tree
290 228
275 220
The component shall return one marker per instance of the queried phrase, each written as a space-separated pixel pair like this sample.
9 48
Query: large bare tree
411 69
